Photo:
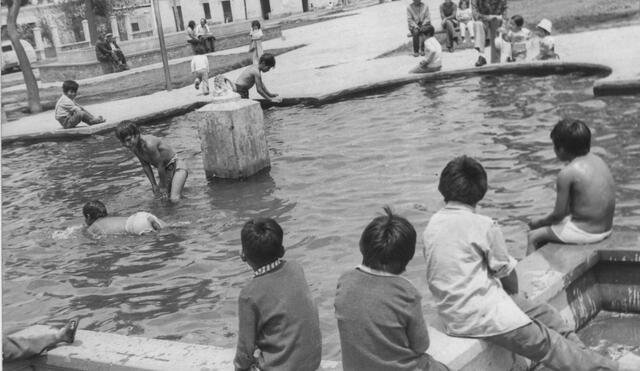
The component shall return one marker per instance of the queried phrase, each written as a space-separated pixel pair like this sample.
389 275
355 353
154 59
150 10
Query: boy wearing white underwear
99 223
586 200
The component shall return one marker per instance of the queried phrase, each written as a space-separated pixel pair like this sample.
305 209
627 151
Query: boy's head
128 133
93 210
70 88
463 180
267 61
388 243
261 242
464 4
255 25
191 25
571 138
200 49
427 30
517 21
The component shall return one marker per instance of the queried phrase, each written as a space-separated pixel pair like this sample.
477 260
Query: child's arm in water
561 209
262 90
156 223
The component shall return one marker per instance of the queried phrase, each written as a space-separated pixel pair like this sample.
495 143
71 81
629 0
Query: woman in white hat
547 43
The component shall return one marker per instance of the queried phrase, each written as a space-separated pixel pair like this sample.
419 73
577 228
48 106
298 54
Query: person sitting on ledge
30 342
252 75
432 61
192 38
586 199
278 324
471 275
203 32
99 223
68 113
109 54
116 52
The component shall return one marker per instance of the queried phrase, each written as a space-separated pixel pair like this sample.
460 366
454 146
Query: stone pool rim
538 68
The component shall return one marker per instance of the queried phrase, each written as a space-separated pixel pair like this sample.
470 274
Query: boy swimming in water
151 151
252 75
586 198
100 223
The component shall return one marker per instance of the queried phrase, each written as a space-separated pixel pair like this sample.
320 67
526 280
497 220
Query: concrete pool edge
545 276
181 107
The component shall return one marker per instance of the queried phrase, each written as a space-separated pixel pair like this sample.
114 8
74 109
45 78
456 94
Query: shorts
568 232
140 223
243 91
172 166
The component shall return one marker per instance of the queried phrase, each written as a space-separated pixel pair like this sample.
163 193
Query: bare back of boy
592 199
585 204
109 225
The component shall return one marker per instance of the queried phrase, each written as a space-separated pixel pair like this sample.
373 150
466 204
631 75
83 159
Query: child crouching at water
276 314
100 223
151 151
432 61
379 312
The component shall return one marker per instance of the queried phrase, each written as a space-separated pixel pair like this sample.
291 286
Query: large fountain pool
333 168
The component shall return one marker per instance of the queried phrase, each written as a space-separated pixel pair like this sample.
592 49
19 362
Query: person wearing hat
117 53
547 44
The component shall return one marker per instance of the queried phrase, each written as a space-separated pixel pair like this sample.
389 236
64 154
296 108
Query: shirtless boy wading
151 151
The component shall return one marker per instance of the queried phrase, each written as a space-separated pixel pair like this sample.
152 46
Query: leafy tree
33 94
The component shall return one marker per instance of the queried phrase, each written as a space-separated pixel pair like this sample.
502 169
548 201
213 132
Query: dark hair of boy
261 241
573 136
388 243
94 210
463 180
192 24
69 85
200 49
255 24
125 129
428 30
517 20
466 2
268 60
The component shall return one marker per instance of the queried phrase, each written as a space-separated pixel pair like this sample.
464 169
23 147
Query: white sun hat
545 24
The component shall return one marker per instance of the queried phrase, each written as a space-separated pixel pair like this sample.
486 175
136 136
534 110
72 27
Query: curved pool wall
179 108
578 280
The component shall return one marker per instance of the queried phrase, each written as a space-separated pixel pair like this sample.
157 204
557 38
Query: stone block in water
233 140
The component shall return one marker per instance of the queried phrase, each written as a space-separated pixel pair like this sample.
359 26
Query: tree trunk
91 19
33 94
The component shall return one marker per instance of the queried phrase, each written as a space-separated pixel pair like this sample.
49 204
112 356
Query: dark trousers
450 29
418 39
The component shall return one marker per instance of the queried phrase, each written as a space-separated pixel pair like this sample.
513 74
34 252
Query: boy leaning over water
151 151
69 113
586 198
277 317
379 312
467 267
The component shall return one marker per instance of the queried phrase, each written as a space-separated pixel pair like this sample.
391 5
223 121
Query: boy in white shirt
471 274
200 70
69 113
547 43
432 61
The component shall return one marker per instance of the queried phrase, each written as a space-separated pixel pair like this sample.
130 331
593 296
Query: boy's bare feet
68 332
629 362
98 120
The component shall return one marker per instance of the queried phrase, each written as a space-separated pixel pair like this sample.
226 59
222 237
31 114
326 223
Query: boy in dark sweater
277 316
379 312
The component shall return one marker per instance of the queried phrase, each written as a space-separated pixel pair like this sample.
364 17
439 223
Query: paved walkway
340 55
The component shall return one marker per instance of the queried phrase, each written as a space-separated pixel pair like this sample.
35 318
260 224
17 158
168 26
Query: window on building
207 10
135 27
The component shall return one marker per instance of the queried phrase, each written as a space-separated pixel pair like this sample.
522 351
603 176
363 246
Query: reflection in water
333 168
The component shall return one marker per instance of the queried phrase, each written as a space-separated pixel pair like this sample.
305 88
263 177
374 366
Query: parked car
9 57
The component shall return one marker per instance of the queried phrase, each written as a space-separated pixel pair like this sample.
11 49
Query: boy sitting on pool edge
151 151
586 192
278 323
100 223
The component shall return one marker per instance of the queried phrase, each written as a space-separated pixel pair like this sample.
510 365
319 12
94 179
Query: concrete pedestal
232 137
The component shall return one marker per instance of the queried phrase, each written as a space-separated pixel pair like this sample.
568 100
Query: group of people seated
474 24
201 37
468 268
109 54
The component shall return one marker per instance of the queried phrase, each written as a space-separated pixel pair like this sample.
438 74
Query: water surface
333 168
